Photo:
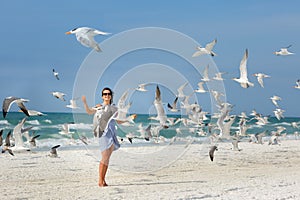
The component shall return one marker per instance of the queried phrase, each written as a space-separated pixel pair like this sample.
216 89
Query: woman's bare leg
104 165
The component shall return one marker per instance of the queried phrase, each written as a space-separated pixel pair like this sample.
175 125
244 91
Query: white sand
256 172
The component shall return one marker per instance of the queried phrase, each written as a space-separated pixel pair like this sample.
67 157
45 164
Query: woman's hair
112 94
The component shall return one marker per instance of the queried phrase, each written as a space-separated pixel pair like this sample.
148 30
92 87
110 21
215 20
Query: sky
34 42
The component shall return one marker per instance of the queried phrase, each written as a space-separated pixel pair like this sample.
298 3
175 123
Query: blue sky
34 42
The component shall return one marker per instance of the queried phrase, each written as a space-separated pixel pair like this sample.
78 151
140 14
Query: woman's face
106 95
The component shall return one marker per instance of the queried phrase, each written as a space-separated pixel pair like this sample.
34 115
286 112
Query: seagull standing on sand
206 50
283 51
85 36
243 80
59 95
260 77
7 145
275 99
8 101
212 151
53 151
55 74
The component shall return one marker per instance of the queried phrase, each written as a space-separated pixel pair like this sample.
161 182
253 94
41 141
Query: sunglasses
104 94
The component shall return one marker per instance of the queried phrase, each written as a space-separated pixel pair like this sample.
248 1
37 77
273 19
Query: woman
104 128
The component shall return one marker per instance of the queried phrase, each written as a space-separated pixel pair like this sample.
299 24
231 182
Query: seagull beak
68 33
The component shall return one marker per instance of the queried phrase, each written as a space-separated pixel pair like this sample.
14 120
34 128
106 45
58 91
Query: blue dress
105 126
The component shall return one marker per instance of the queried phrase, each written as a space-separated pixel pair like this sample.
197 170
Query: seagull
275 99
206 50
279 113
53 151
218 76
161 115
260 77
72 104
243 80
141 87
1 138
145 133
180 90
173 107
7 145
297 86
211 152
8 101
200 88
33 141
259 137
235 146
205 74
283 51
85 36
59 95
35 113
55 73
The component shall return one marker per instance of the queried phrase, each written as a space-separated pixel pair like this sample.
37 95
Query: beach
256 172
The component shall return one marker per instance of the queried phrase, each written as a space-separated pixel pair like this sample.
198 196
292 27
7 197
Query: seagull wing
8 101
243 66
210 45
260 81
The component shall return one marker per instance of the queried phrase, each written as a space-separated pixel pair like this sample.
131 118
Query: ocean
49 127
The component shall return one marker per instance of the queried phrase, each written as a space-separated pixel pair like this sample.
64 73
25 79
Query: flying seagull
212 151
173 107
283 51
243 80
85 36
260 77
55 73
206 50
59 95
8 101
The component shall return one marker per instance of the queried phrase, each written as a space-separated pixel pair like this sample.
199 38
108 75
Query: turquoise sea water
50 125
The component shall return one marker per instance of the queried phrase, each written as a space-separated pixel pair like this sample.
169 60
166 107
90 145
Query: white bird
173 107
275 99
200 88
180 90
283 51
72 104
59 95
205 74
65 129
141 87
260 77
55 74
85 36
18 136
297 86
294 125
8 101
206 50
218 76
243 80
35 113
279 113
217 95
161 115
145 133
